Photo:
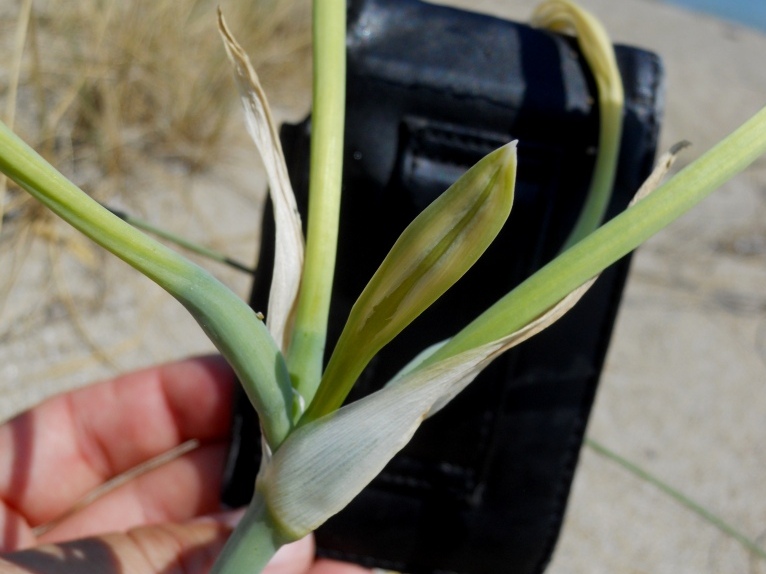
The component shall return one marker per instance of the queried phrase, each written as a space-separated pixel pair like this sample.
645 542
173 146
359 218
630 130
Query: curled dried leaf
324 464
288 258
659 172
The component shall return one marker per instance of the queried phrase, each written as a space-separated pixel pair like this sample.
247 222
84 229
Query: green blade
437 248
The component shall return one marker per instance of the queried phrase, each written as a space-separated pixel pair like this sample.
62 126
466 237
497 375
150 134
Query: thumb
295 558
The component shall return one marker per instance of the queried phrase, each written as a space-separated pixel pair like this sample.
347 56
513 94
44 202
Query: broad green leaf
288 256
437 248
324 464
659 172
566 16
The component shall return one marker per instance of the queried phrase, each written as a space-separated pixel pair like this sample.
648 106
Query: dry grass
108 89
111 80
103 84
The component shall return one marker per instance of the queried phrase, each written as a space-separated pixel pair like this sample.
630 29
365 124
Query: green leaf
324 464
231 325
613 240
437 248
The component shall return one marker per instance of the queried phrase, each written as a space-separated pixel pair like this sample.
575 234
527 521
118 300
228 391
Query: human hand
165 521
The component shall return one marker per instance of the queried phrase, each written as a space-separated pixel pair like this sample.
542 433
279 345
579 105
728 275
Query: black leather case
482 488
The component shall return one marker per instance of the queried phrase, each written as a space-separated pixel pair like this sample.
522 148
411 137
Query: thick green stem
306 352
252 544
232 326
613 240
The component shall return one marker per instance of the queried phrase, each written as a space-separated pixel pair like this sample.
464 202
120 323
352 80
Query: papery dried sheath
288 258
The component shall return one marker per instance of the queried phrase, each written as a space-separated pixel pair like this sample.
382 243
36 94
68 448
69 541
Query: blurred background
748 12
134 101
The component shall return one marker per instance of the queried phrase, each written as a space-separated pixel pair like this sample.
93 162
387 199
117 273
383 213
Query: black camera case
482 488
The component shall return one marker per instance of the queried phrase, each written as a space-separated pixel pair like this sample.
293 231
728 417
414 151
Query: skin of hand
166 521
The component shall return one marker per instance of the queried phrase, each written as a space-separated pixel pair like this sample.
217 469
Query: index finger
55 453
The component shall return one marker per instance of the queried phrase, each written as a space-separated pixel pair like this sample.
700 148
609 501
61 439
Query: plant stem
600 191
679 497
306 353
613 240
232 326
253 543
598 51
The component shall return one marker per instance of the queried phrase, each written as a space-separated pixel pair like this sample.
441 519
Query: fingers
189 548
54 454
295 558
175 492
298 558
333 567
167 549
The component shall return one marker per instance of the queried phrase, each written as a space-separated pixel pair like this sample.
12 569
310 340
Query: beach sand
684 390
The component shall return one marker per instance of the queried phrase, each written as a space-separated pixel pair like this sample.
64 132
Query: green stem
253 543
604 170
232 326
613 240
306 352
679 497
598 52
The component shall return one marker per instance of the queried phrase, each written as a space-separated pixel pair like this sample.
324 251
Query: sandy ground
684 389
